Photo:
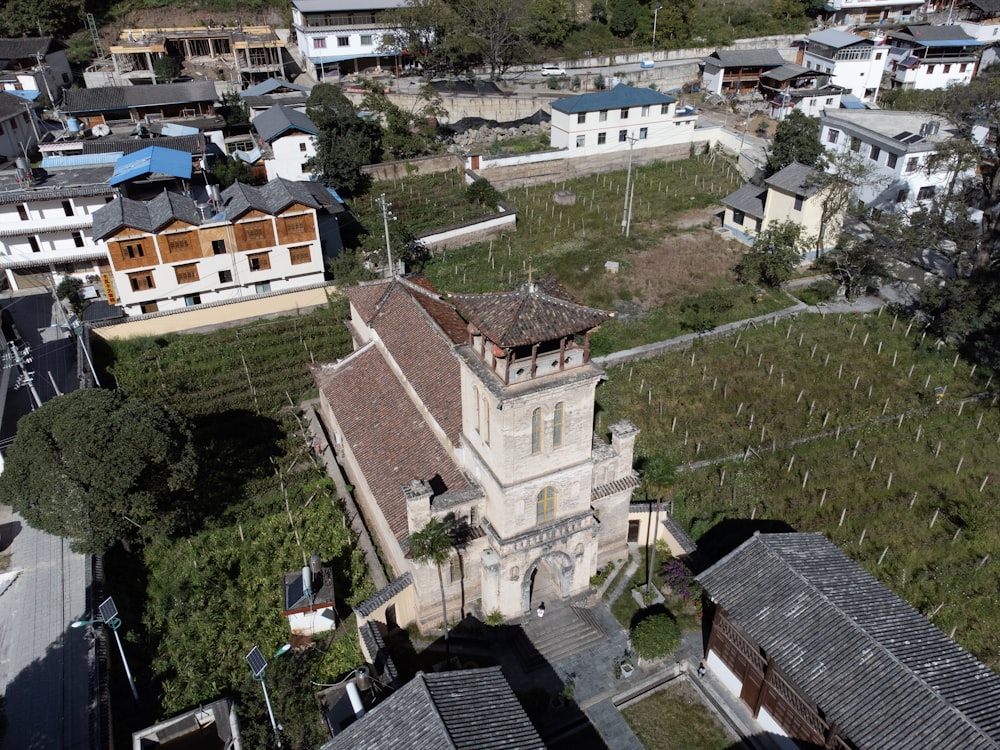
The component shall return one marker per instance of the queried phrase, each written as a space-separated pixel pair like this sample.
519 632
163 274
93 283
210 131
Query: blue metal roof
152 160
850 101
621 95
30 95
80 160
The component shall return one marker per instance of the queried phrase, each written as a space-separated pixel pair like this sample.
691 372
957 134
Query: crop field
832 424
213 594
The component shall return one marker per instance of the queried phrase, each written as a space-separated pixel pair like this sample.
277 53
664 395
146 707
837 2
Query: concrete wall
565 169
472 231
217 316
397 170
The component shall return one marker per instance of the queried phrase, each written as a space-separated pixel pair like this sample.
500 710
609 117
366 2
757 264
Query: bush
706 310
656 636
482 192
821 291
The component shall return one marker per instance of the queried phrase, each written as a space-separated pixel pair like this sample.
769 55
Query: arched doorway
548 580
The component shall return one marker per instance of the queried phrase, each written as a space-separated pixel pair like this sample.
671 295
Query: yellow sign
109 288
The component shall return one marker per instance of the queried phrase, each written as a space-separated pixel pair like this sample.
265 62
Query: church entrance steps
563 631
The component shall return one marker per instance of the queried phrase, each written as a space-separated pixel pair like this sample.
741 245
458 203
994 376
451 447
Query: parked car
550 69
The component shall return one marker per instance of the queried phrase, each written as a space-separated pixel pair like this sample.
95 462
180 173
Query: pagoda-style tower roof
534 312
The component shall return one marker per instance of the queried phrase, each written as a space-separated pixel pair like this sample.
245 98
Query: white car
549 69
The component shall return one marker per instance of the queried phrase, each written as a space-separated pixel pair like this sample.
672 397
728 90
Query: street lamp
257 663
109 617
656 9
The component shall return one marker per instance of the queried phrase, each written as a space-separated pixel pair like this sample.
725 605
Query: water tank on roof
73 125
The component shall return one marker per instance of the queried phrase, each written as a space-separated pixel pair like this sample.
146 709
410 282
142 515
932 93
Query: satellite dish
101 130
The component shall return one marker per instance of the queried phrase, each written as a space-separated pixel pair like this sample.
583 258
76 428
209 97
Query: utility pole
627 212
656 9
386 215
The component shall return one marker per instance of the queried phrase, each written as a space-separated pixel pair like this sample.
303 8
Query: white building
46 227
292 138
336 38
867 12
792 87
34 66
617 119
854 62
899 146
932 57
171 252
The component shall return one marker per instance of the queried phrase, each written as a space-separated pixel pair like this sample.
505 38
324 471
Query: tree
98 468
39 17
624 18
549 22
166 68
773 257
495 27
345 142
855 264
233 109
795 139
69 289
432 545
845 170
656 636
228 170
406 134
967 312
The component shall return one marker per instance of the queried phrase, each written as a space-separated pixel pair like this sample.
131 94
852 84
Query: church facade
478 409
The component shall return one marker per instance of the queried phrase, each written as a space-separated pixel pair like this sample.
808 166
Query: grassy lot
208 597
845 437
675 719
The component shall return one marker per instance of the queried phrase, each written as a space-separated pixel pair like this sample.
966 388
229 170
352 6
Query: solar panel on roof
902 136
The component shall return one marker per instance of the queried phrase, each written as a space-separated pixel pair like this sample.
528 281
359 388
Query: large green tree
406 133
345 142
795 139
99 468
773 257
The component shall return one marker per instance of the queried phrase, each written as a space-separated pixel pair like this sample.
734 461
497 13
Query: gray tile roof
270 86
928 35
275 196
384 595
473 709
749 199
193 144
795 178
147 216
883 673
116 98
20 48
787 71
279 119
745 58
621 95
836 38
11 106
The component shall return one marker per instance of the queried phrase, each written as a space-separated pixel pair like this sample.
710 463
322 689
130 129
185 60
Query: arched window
545 505
557 425
486 421
536 431
475 405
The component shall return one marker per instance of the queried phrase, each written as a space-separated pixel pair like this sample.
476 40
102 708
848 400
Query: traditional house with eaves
478 409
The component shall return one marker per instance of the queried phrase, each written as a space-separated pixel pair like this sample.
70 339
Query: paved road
43 663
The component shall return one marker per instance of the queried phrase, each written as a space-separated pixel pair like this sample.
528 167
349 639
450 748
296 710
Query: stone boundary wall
398 170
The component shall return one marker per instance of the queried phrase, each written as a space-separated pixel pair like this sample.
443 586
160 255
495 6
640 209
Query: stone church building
478 409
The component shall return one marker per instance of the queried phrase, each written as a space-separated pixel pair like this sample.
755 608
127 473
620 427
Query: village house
31 67
792 87
871 12
18 126
619 119
336 38
138 103
478 410
291 137
795 193
264 95
900 146
171 252
826 656
737 71
932 57
854 62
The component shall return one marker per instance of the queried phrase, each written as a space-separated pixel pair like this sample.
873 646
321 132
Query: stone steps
563 631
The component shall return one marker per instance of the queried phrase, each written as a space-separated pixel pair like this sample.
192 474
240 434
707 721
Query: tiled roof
112 98
193 144
749 199
10 105
533 313
146 216
470 709
621 95
279 119
745 58
680 536
275 196
933 36
20 48
619 485
786 72
883 673
388 436
270 86
384 595
795 178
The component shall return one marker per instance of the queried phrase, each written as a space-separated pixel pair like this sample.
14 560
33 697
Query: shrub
482 192
680 579
656 636
821 291
706 310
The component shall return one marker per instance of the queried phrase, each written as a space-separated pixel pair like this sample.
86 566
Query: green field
210 596
675 718
838 423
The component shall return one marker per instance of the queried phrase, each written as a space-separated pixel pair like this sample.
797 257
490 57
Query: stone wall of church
612 513
462 577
